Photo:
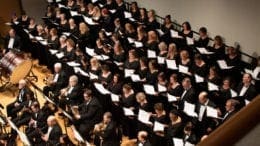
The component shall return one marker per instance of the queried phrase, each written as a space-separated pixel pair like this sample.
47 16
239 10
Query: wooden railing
236 127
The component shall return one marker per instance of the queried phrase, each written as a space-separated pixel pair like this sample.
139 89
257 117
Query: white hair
57 65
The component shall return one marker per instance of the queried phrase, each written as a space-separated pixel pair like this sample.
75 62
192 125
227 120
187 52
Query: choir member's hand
45 138
77 117
16 104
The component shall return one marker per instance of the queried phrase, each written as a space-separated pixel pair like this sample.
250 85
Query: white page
66 34
31 36
60 55
131 40
190 41
132 19
90 52
223 65
174 34
16 22
128 112
138 44
114 97
144 117
256 72
198 79
52 51
189 109
100 5
93 1
82 72
104 57
171 64
62 6
158 126
171 98
149 89
160 60
112 11
74 13
212 87
89 20
183 69
161 88
58 1
151 54
204 51
77 134
160 32
135 78
44 42
26 30
178 142
127 14
233 93
118 63
92 76
39 38
108 33
247 101
129 72
73 64
211 112
101 88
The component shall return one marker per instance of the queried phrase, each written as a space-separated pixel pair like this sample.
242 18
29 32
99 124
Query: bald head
203 97
51 120
22 84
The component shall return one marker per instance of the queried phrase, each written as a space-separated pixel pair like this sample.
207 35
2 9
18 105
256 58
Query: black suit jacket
90 113
109 135
62 81
75 97
24 93
190 96
55 134
250 93
17 43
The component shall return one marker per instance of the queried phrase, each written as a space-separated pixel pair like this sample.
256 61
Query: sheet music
60 55
112 11
38 38
160 32
131 40
128 112
118 63
26 30
74 13
171 98
101 88
171 64
62 6
82 72
66 34
89 20
184 69
211 112
151 54
149 89
212 87
102 57
144 117
127 14
73 64
93 1
190 41
178 142
100 5
174 34
114 97
204 51
198 79
135 78
52 51
132 19
44 42
161 88
90 52
138 44
129 72
92 76
247 101
189 109
254 72
31 36
223 65
158 126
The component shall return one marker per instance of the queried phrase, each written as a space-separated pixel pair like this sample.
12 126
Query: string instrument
48 80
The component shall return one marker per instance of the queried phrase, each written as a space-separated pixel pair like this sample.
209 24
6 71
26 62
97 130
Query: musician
37 122
142 139
230 109
12 41
188 93
58 82
71 95
54 132
246 89
107 131
20 99
90 113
